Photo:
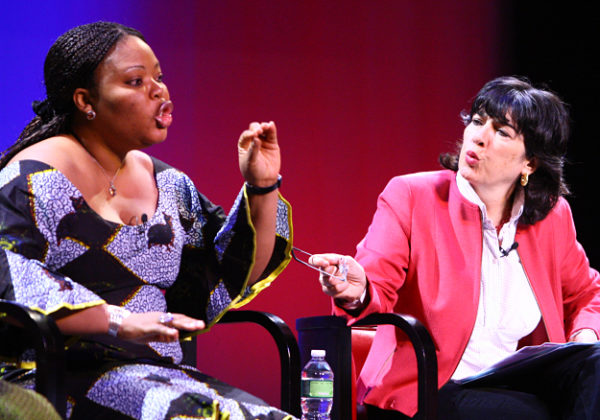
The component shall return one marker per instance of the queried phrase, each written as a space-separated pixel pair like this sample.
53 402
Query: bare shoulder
54 151
141 160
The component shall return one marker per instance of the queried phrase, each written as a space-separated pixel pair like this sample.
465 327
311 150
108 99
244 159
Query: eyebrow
505 123
141 66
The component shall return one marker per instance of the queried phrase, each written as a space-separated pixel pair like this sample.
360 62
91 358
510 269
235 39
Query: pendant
112 190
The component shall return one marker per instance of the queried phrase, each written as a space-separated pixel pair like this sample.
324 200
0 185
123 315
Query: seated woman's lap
146 391
567 388
460 403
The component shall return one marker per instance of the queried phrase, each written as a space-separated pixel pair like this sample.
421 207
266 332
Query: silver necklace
112 190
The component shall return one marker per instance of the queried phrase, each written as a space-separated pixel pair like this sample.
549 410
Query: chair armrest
47 341
289 355
426 357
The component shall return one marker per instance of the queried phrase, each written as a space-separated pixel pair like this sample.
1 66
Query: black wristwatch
252 189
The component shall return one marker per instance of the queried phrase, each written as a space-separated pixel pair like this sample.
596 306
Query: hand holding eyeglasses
341 276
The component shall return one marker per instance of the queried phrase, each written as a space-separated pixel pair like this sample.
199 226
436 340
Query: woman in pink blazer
485 254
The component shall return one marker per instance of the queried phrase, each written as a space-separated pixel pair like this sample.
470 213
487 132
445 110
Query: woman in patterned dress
119 247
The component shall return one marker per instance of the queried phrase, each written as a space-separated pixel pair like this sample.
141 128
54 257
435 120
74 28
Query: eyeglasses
342 266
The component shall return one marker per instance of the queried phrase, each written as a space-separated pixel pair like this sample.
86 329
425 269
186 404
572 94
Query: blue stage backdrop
27 31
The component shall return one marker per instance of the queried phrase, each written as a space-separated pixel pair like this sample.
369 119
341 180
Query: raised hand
259 155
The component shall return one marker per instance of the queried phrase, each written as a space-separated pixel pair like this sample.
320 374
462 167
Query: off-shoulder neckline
112 222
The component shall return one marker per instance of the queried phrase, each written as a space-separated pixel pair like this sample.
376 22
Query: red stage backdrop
360 91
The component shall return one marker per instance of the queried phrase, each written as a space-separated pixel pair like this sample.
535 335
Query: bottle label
317 389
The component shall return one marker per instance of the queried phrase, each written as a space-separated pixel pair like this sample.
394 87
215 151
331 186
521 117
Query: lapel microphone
505 252
142 227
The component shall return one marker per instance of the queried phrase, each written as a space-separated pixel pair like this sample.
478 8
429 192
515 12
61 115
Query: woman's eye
476 121
504 131
135 82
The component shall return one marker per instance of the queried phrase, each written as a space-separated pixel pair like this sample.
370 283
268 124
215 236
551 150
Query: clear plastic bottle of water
316 387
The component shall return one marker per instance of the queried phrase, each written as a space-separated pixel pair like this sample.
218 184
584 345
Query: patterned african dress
189 257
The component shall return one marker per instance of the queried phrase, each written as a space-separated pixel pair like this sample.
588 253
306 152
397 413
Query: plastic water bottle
316 387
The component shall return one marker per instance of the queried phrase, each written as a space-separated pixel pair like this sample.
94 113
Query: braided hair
70 64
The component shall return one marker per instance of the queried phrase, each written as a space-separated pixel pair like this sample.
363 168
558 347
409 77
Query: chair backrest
362 338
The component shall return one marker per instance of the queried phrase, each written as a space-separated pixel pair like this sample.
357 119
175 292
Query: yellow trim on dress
69 306
257 287
266 282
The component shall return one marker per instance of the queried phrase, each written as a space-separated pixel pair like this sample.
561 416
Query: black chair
287 346
41 333
332 334
26 328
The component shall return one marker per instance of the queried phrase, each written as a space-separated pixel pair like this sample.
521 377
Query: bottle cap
317 353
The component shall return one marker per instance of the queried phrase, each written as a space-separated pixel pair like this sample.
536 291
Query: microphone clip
505 252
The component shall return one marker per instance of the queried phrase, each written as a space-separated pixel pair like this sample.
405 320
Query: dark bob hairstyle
543 120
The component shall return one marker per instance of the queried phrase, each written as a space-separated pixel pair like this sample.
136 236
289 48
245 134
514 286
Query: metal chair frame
41 333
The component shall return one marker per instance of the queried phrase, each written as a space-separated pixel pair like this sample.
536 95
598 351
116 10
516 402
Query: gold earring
524 179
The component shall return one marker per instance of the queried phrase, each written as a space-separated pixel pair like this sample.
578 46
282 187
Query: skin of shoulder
55 151
62 152
141 158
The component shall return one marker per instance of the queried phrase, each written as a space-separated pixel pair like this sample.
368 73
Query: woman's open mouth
164 116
